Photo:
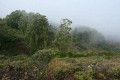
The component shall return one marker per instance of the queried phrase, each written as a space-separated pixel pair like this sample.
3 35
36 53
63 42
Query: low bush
42 58
25 67
85 68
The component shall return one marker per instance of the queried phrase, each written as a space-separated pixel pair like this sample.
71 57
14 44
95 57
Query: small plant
84 75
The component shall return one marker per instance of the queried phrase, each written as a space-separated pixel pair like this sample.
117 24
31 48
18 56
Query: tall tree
23 23
63 38
37 31
86 38
13 19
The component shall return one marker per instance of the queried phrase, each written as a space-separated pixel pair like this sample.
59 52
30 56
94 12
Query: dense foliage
28 44
32 31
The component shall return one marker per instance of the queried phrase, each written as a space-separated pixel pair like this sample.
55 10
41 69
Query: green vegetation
33 49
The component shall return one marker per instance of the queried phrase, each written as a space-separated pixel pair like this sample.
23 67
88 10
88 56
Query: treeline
24 32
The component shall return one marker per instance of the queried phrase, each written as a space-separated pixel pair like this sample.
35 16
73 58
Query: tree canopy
32 31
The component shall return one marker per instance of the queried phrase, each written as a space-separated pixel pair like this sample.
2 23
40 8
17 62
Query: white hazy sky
103 15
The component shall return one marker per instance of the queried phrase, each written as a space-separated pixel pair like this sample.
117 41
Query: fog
103 15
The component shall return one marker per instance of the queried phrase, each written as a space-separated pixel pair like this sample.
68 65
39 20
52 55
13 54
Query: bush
41 59
107 53
84 75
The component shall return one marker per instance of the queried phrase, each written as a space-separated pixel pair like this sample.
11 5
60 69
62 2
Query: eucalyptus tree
23 23
13 19
86 38
37 31
63 37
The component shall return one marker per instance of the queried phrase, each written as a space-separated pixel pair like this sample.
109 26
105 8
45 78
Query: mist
102 15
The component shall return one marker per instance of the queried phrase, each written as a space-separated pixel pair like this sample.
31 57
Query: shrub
84 75
41 59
